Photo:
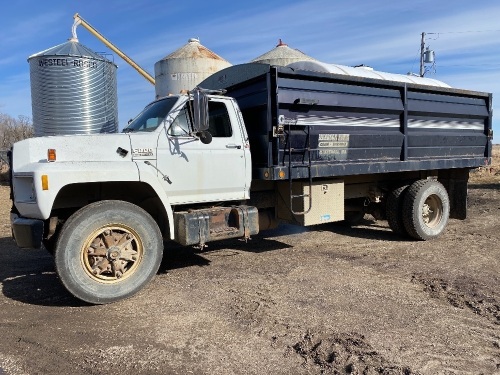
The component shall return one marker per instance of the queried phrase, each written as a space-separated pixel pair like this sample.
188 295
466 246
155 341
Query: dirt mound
344 353
463 293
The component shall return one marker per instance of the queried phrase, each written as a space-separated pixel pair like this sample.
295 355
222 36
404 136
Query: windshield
152 116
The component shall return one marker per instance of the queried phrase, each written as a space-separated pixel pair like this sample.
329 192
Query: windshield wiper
128 130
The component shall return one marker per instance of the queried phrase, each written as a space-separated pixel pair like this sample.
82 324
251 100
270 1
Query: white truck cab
163 158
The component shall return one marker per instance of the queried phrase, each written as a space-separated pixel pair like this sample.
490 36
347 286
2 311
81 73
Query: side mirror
205 137
200 105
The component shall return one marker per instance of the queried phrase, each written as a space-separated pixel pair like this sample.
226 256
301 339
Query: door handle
232 145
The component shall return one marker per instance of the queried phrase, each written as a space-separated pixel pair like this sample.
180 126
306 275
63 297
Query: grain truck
253 146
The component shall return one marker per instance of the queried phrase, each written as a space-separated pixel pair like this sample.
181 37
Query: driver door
204 172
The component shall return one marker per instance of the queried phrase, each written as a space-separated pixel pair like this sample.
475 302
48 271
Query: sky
385 35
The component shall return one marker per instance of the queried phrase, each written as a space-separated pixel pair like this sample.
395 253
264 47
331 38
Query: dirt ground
329 299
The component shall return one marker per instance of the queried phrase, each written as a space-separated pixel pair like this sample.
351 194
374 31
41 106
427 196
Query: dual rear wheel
420 210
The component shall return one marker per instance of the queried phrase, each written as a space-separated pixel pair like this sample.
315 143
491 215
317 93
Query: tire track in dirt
327 352
344 353
466 293
463 293
51 363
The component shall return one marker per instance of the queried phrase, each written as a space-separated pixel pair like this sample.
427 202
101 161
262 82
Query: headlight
24 188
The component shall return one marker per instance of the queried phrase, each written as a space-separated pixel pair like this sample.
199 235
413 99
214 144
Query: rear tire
426 209
108 251
394 210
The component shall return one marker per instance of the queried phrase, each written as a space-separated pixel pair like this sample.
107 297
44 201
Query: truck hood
73 148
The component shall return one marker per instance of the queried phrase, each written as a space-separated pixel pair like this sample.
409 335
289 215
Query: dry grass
491 173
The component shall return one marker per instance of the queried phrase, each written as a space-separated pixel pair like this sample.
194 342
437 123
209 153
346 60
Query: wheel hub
432 211
426 213
111 254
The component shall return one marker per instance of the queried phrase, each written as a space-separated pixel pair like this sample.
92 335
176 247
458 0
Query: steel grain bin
73 91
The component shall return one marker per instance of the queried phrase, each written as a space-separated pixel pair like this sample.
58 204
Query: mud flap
455 181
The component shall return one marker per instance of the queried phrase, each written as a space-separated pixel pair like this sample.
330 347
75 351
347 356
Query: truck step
300 196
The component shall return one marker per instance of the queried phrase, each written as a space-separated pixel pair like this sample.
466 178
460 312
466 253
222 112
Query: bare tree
11 131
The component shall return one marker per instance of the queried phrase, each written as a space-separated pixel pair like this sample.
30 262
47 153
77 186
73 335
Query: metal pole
422 47
80 21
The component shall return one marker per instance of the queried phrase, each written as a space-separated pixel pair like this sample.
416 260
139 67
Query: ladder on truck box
305 151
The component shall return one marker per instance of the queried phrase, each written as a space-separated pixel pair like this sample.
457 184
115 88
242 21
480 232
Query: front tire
108 251
426 209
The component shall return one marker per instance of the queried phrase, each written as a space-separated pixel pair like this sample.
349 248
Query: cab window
152 116
219 124
181 125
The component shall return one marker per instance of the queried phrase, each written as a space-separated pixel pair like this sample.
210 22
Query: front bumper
27 233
